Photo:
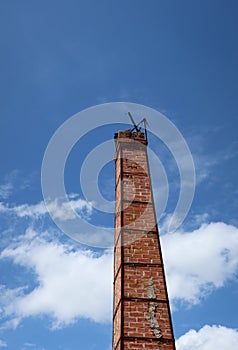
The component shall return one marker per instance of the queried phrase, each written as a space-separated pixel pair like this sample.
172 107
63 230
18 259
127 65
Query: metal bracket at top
137 127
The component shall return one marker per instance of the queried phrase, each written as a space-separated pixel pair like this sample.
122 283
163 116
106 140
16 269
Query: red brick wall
141 309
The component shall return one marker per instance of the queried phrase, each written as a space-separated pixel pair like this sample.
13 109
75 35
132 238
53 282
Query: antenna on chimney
136 126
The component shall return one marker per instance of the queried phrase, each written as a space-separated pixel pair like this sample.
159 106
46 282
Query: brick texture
141 317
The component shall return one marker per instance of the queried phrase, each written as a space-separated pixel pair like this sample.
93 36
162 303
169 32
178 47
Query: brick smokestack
141 317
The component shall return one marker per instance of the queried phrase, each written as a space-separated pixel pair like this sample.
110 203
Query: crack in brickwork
154 324
150 290
141 310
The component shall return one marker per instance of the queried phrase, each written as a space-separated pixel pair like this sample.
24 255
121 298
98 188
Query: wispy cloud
59 209
29 344
6 190
7 187
194 222
14 182
3 344
205 163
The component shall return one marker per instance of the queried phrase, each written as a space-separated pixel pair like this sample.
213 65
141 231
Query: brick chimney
141 317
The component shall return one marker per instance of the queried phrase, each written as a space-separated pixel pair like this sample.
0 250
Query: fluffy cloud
70 283
209 338
199 261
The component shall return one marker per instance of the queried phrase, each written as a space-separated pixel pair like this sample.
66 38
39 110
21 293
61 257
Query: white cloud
59 210
6 190
75 283
209 338
199 261
71 283
3 344
29 344
7 187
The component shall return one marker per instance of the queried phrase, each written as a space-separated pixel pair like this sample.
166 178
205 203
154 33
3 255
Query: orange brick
141 309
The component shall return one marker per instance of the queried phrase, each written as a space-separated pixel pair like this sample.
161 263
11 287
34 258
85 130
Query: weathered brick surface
141 310
136 281
143 247
136 323
117 287
117 257
138 215
135 344
117 326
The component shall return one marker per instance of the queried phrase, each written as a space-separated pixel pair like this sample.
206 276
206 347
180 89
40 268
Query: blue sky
58 58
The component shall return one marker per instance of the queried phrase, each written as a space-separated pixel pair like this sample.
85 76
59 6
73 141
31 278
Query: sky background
58 58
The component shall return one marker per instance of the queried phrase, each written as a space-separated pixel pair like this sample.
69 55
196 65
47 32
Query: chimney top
128 135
